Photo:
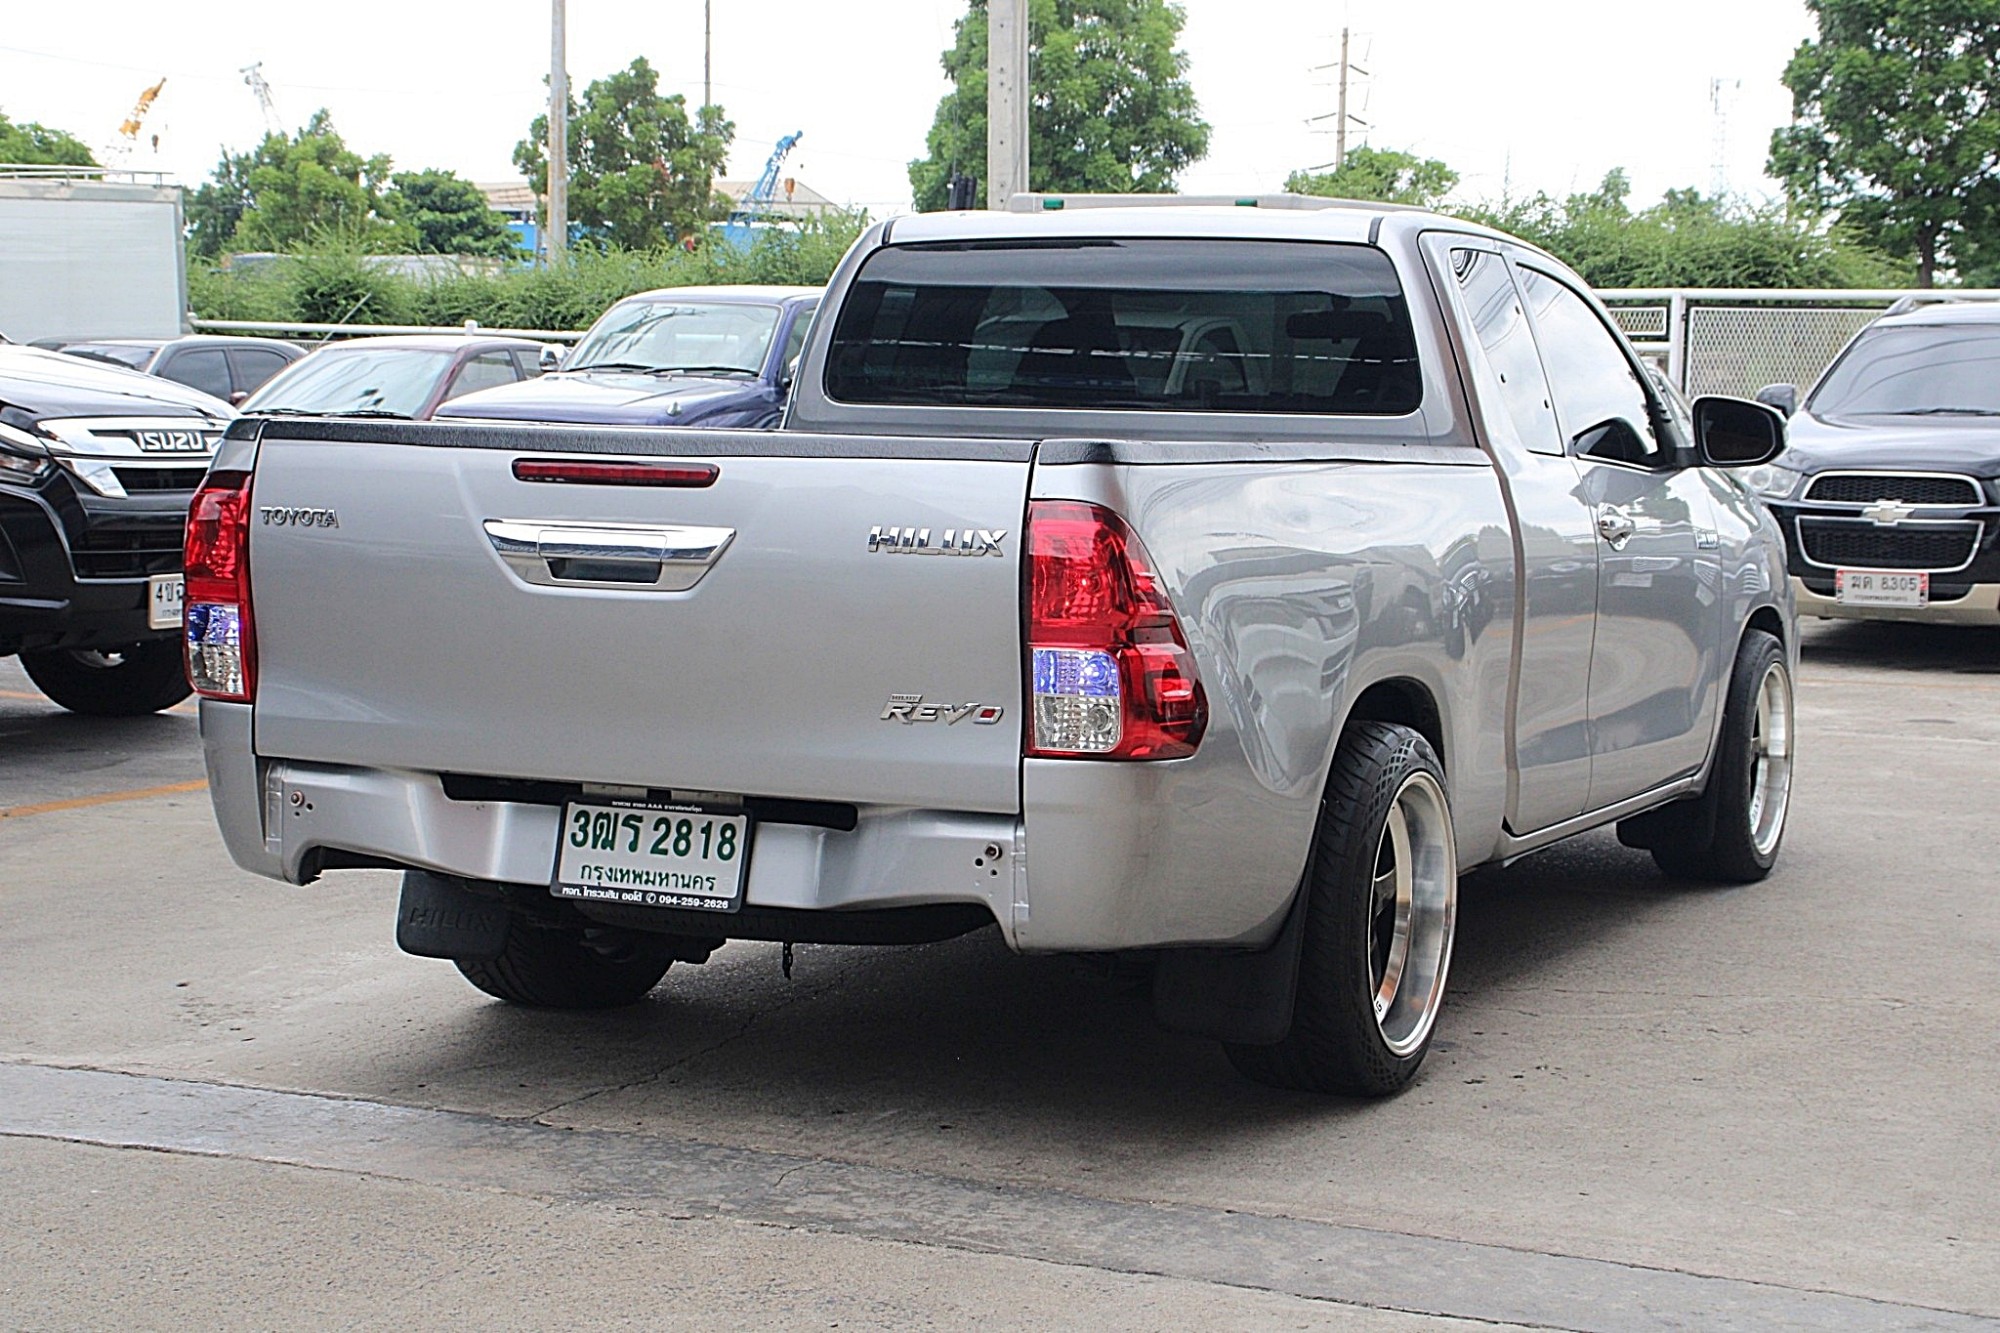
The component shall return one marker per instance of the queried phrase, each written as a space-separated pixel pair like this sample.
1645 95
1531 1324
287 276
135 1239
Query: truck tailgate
746 636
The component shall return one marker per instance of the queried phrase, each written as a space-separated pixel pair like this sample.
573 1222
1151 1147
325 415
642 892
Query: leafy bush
325 284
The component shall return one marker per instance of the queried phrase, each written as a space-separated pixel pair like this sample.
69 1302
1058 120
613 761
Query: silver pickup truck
1209 584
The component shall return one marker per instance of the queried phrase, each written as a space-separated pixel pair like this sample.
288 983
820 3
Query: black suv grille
1851 545
127 553
138 480
1859 488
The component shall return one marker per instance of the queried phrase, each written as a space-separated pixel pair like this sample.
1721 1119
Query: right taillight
1111 676
221 647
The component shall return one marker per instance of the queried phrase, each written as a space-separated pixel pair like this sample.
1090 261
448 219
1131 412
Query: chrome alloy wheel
1771 759
1412 913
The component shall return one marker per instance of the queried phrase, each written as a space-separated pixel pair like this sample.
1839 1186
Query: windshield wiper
703 370
617 365
369 412
1951 412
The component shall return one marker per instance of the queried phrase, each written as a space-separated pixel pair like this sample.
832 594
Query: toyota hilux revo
1212 585
97 465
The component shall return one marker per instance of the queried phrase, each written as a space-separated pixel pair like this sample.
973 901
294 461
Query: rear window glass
1150 325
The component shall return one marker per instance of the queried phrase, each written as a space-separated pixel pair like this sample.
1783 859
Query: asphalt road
1649 1104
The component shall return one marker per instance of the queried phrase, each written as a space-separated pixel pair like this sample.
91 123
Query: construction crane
128 129
254 76
739 230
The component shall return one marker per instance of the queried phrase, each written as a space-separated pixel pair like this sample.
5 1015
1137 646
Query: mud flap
441 918
1244 997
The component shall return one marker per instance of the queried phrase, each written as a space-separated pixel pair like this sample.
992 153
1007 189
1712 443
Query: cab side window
206 369
1603 407
1495 310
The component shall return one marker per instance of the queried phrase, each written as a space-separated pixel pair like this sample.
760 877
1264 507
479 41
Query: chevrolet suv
1889 495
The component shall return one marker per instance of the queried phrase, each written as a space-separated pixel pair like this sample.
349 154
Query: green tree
1687 240
448 214
27 143
1896 121
641 174
1379 173
1110 107
293 192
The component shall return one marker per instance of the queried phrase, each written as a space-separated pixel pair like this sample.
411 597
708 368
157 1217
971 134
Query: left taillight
221 645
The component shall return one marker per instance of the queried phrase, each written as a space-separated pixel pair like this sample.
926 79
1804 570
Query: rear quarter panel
1299 585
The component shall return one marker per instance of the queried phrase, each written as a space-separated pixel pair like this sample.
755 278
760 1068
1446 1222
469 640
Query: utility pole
1340 115
707 51
1006 100
558 237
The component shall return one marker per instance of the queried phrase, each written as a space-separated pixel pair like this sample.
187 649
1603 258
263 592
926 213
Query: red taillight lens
221 647
1111 676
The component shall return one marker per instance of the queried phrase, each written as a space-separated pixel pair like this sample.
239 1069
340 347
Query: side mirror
1735 432
551 359
1784 397
236 399
789 373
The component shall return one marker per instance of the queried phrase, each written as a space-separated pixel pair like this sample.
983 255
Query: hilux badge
953 541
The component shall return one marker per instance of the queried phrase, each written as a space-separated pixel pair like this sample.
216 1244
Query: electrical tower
1341 116
1722 94
254 76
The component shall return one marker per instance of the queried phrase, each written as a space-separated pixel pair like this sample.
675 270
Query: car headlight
1773 481
22 456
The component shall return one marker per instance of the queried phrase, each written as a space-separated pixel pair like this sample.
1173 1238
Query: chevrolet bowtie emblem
1887 513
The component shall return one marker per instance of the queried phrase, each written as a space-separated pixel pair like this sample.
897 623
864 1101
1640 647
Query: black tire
1339 1041
1731 833
549 967
125 682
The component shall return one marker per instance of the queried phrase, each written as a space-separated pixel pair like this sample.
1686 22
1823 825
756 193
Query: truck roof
1354 222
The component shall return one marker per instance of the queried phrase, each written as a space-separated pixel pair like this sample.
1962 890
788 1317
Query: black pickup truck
97 465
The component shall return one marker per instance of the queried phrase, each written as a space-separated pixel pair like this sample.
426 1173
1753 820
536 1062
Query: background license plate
652 855
163 601
1880 587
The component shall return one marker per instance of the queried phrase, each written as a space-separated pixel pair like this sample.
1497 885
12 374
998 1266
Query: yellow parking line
106 798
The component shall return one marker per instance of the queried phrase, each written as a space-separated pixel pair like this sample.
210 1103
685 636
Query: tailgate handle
601 555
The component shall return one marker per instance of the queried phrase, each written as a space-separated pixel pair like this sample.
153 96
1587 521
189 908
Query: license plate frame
166 599
1907 588
629 872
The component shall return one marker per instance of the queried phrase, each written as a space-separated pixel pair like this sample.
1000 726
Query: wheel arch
1407 702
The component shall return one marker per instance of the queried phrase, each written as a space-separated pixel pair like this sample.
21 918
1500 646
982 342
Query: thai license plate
649 855
1881 587
163 601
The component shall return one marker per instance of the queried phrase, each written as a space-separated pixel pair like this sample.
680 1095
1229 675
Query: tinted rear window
1151 325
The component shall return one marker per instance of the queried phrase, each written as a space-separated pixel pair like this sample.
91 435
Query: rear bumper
1974 604
282 819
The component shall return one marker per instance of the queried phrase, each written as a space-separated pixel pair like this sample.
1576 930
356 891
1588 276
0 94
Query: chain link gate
1737 340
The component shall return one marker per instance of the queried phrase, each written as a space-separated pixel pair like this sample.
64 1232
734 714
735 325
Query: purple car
398 376
681 356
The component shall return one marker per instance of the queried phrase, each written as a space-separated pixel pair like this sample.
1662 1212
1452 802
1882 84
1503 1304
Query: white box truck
89 253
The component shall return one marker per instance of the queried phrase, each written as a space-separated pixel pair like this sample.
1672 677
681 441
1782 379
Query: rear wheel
1732 832
1381 911
550 967
124 682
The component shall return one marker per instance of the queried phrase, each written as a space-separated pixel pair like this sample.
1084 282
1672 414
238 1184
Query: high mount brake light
221 647
615 474
1110 671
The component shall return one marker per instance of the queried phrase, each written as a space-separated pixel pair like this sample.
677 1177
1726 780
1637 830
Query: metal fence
1736 340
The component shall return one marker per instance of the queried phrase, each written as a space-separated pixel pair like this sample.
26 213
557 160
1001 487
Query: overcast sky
1532 95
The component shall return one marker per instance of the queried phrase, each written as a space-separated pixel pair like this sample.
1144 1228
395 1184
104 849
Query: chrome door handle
604 555
1615 526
